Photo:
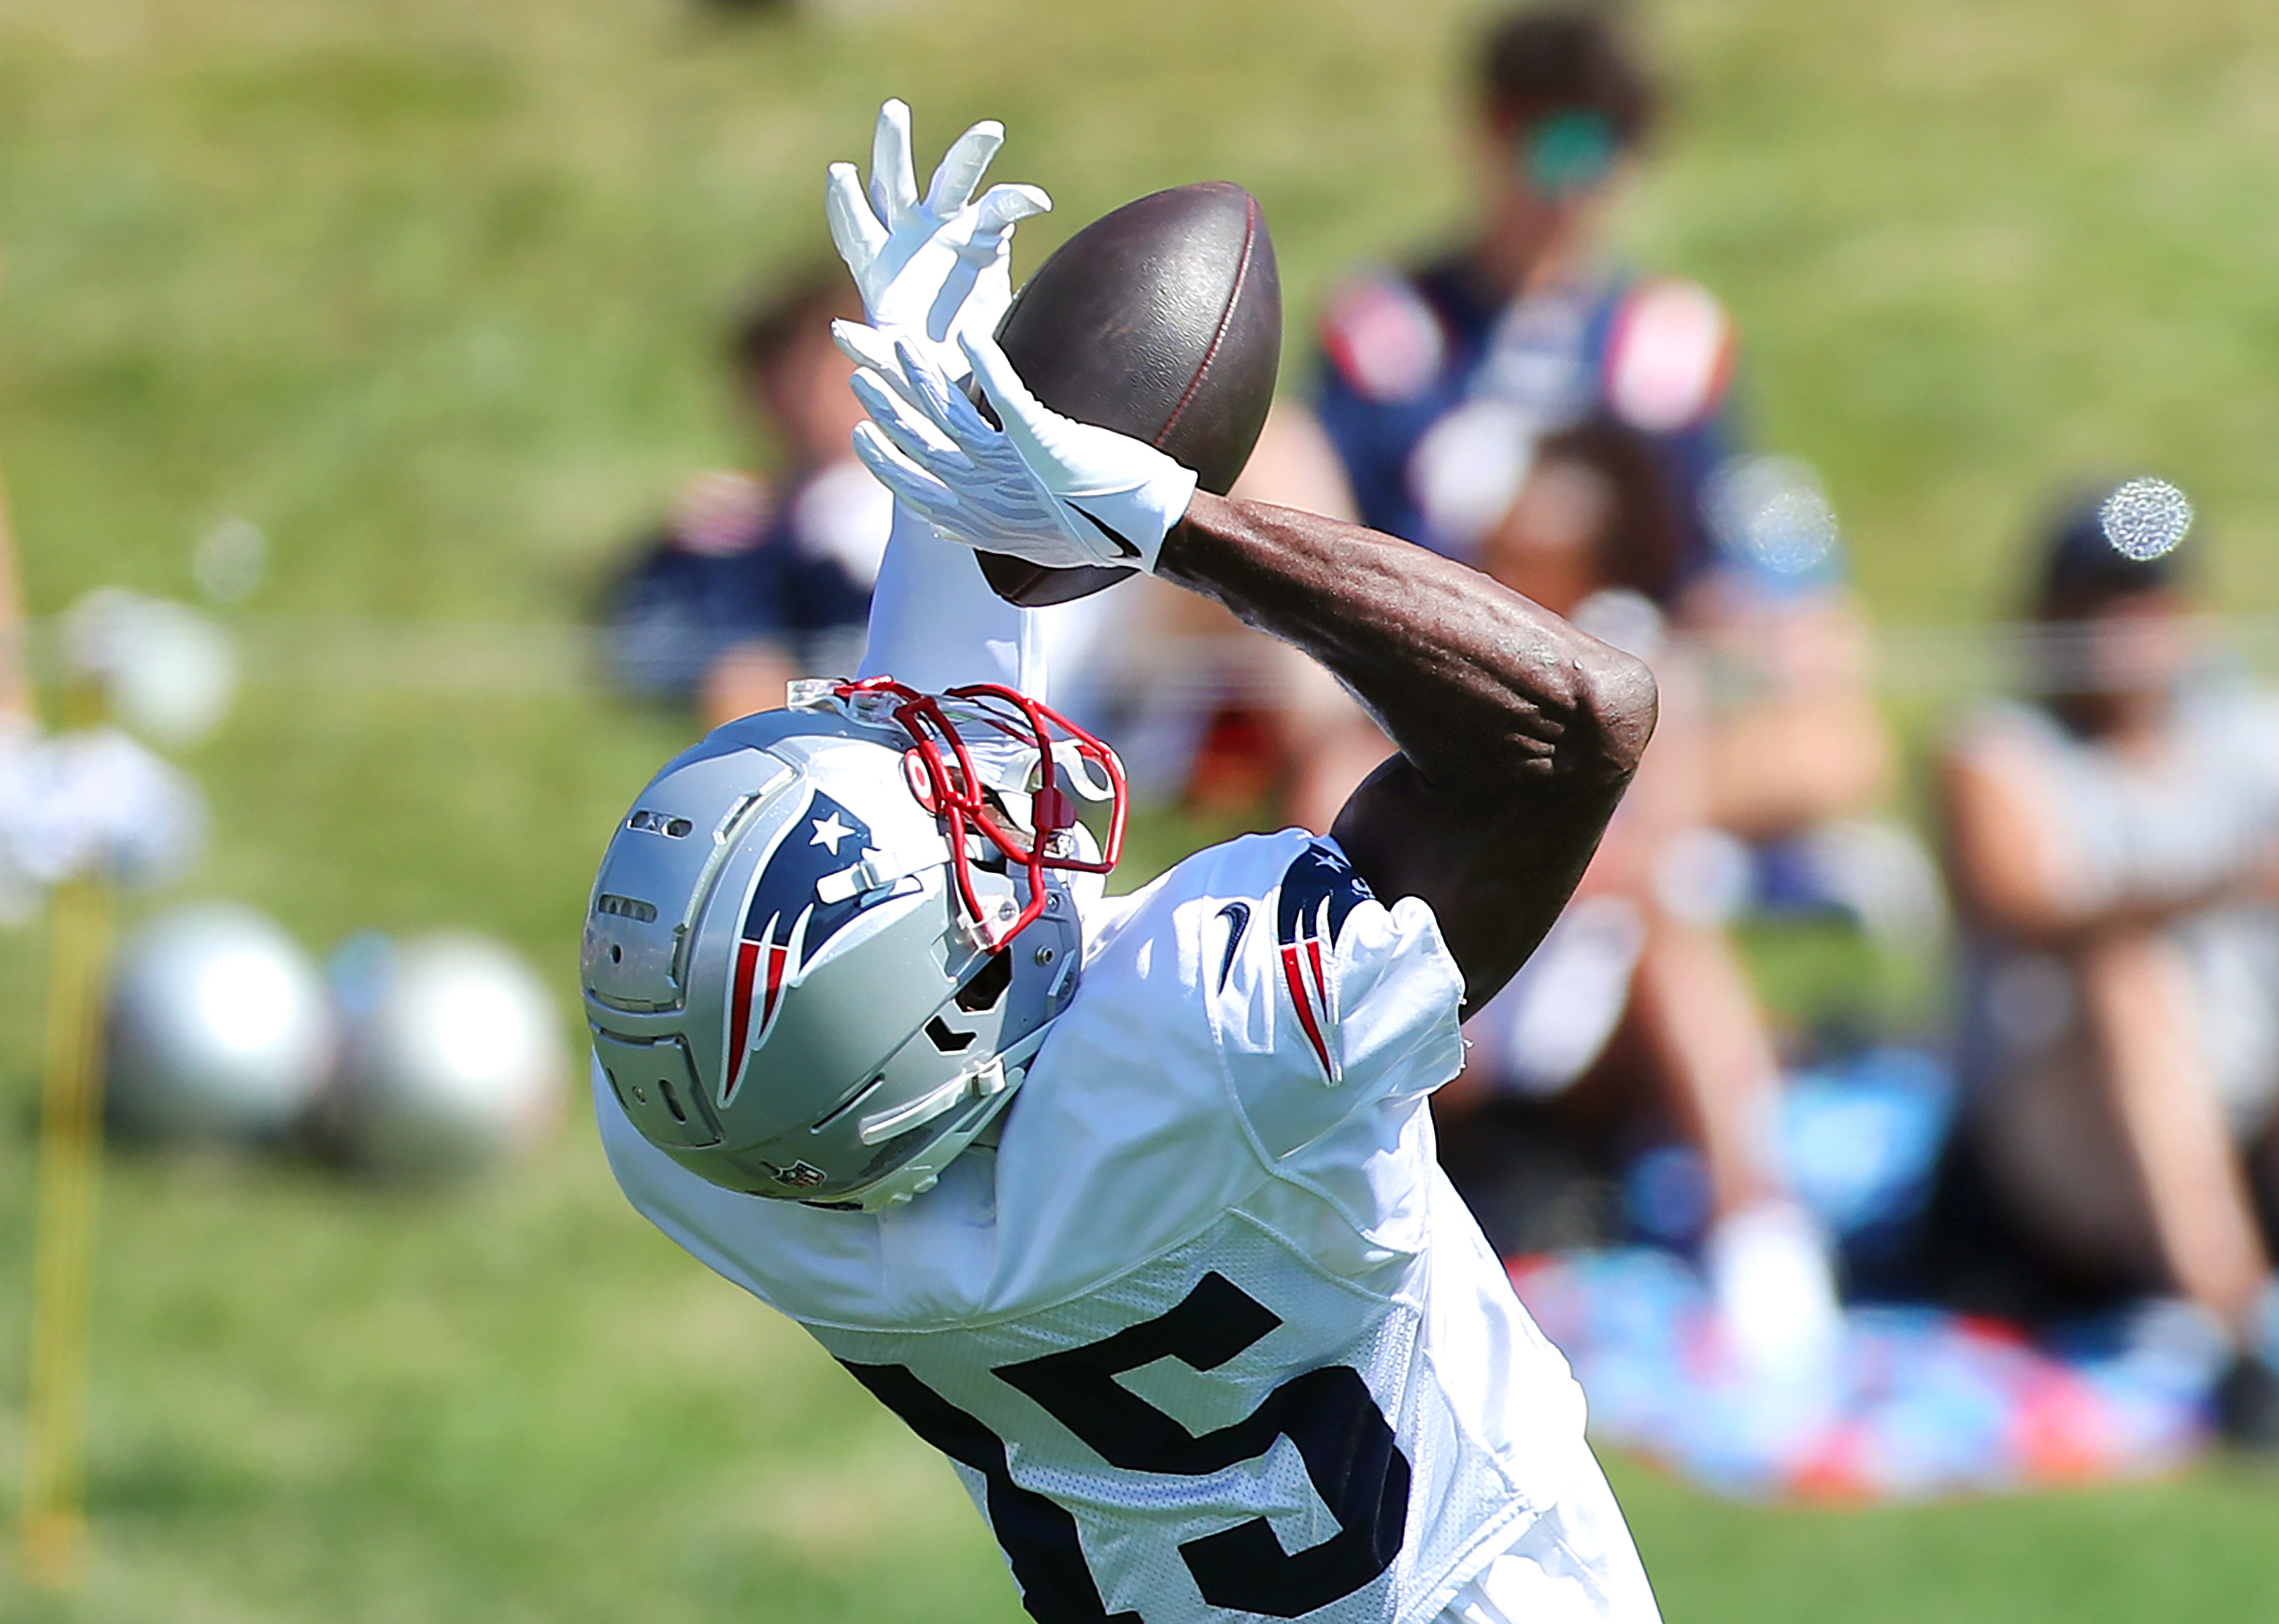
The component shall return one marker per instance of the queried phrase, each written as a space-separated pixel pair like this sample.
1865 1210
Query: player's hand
939 265
1043 487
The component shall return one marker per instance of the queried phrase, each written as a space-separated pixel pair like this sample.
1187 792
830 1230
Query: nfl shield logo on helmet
786 922
798 1175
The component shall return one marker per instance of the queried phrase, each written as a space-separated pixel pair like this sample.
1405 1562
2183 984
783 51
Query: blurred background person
1432 377
2113 844
754 579
1634 1024
1433 382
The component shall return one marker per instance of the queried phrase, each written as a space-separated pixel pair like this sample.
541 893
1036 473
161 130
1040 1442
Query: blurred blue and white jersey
1207 1335
1434 391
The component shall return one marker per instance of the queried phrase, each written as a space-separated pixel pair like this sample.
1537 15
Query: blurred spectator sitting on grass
755 580
1435 380
1634 1022
2113 846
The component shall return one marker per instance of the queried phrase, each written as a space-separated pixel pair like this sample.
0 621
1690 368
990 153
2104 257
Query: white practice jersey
1207 1335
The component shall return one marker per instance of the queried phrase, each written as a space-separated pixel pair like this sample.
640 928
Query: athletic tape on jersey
1208 1336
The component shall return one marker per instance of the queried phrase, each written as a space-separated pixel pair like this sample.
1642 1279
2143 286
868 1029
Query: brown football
1163 321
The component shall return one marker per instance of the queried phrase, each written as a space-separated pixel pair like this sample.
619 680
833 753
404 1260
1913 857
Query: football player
1129 1207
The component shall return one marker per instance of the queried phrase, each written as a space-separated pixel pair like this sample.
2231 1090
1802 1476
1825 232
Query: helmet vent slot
671 1100
987 987
625 908
859 1096
660 823
946 1041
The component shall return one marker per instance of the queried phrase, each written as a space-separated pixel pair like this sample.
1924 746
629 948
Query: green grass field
428 290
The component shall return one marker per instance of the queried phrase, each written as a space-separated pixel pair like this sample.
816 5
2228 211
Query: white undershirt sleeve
935 624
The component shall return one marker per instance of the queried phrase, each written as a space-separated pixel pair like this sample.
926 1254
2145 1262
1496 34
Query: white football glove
1044 487
940 266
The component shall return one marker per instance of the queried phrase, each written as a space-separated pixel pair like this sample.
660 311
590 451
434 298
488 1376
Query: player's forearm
1479 687
935 624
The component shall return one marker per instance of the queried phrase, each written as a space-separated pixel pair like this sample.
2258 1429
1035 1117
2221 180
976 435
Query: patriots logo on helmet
786 923
1318 891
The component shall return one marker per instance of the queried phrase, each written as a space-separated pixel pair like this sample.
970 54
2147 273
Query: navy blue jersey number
1038 1536
1329 1414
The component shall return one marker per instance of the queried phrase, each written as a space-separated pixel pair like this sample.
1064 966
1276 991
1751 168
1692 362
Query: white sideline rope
536 659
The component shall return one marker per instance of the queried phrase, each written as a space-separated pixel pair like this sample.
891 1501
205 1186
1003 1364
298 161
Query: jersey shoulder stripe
1319 891
1323 1000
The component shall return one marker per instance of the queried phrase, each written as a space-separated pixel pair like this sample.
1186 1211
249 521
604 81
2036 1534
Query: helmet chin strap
991 1083
989 1076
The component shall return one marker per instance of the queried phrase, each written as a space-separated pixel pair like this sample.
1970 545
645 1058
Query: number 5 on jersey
1328 1414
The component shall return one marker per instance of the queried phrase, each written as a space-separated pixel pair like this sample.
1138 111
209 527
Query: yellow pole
15 659
69 1147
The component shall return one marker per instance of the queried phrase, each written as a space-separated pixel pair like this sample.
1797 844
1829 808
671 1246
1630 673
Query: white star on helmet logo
830 831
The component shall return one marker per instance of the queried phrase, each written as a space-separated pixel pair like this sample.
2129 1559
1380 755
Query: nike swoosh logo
1128 550
1237 916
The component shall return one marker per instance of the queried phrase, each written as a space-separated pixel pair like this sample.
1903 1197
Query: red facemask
943 777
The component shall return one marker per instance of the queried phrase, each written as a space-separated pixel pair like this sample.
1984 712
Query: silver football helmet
825 942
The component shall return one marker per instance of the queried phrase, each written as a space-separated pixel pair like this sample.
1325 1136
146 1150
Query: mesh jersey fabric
1573 1565
1207 1336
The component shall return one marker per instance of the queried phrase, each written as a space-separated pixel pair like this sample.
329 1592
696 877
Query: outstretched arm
931 267
1516 732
